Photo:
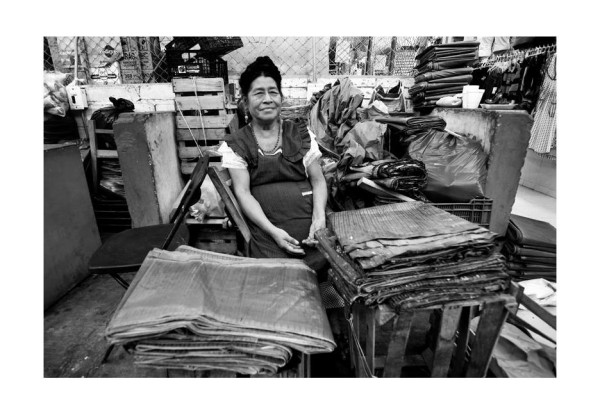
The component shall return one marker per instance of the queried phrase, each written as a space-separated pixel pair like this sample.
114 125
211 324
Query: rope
363 359
188 126
200 111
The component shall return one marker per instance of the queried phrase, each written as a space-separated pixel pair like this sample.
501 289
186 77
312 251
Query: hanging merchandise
456 166
543 132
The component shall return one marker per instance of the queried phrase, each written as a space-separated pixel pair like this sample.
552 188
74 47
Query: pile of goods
442 70
200 310
411 255
530 249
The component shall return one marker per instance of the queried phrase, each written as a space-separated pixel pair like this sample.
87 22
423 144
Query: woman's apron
285 195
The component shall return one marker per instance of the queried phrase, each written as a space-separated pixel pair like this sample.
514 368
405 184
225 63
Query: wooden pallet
454 350
203 115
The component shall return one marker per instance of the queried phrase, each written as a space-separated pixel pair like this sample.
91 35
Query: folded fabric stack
411 255
413 125
199 310
530 249
442 70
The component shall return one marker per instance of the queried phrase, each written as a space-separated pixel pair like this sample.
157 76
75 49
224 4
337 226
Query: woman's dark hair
262 66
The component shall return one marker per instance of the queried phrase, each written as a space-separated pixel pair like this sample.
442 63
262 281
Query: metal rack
517 54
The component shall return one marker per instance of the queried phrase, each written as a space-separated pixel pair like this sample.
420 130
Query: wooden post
396 353
392 62
314 63
488 330
444 345
369 68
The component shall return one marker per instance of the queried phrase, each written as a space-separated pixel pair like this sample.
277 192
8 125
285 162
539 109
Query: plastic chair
125 251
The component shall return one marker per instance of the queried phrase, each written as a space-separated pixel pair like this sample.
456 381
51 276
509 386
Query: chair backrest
191 195
232 207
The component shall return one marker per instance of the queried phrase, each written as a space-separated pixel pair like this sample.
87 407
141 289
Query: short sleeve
313 153
230 159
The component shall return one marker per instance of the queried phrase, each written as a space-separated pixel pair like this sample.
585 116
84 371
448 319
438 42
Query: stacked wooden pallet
203 115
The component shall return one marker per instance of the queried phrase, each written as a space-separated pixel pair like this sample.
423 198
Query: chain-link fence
115 60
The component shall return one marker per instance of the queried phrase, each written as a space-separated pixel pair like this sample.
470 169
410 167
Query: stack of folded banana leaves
200 310
530 249
411 255
442 70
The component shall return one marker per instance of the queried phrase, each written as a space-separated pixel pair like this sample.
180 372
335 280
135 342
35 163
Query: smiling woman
275 171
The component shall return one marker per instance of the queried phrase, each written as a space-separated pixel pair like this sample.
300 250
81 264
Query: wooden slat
187 167
538 310
297 93
198 84
207 102
444 345
193 152
294 82
370 341
210 121
461 342
396 352
104 131
212 134
207 221
488 330
231 205
107 154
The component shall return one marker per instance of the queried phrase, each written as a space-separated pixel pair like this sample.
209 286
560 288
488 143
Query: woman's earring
246 117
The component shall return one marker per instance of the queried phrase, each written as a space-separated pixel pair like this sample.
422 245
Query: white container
471 99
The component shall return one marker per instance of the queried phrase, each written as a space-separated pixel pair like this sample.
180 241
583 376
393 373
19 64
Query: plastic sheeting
456 166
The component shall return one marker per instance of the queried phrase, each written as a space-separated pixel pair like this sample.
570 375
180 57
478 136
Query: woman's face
264 100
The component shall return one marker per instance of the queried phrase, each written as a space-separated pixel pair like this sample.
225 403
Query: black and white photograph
300 206
306 213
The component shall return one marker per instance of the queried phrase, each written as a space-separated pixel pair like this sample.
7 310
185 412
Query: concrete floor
535 205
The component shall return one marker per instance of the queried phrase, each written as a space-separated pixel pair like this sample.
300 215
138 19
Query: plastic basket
185 64
207 46
478 211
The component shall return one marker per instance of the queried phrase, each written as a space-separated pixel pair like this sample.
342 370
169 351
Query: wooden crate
203 115
452 349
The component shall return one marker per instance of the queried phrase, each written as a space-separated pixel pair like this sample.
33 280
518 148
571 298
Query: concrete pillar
505 136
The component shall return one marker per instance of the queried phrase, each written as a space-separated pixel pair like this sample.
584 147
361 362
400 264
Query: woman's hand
286 242
317 223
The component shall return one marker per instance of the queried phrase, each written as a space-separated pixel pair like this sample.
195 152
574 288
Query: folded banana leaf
194 309
395 221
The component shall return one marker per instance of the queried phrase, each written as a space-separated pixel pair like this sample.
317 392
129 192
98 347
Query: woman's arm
319 188
253 211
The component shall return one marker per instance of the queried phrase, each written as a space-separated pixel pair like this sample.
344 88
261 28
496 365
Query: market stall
421 173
